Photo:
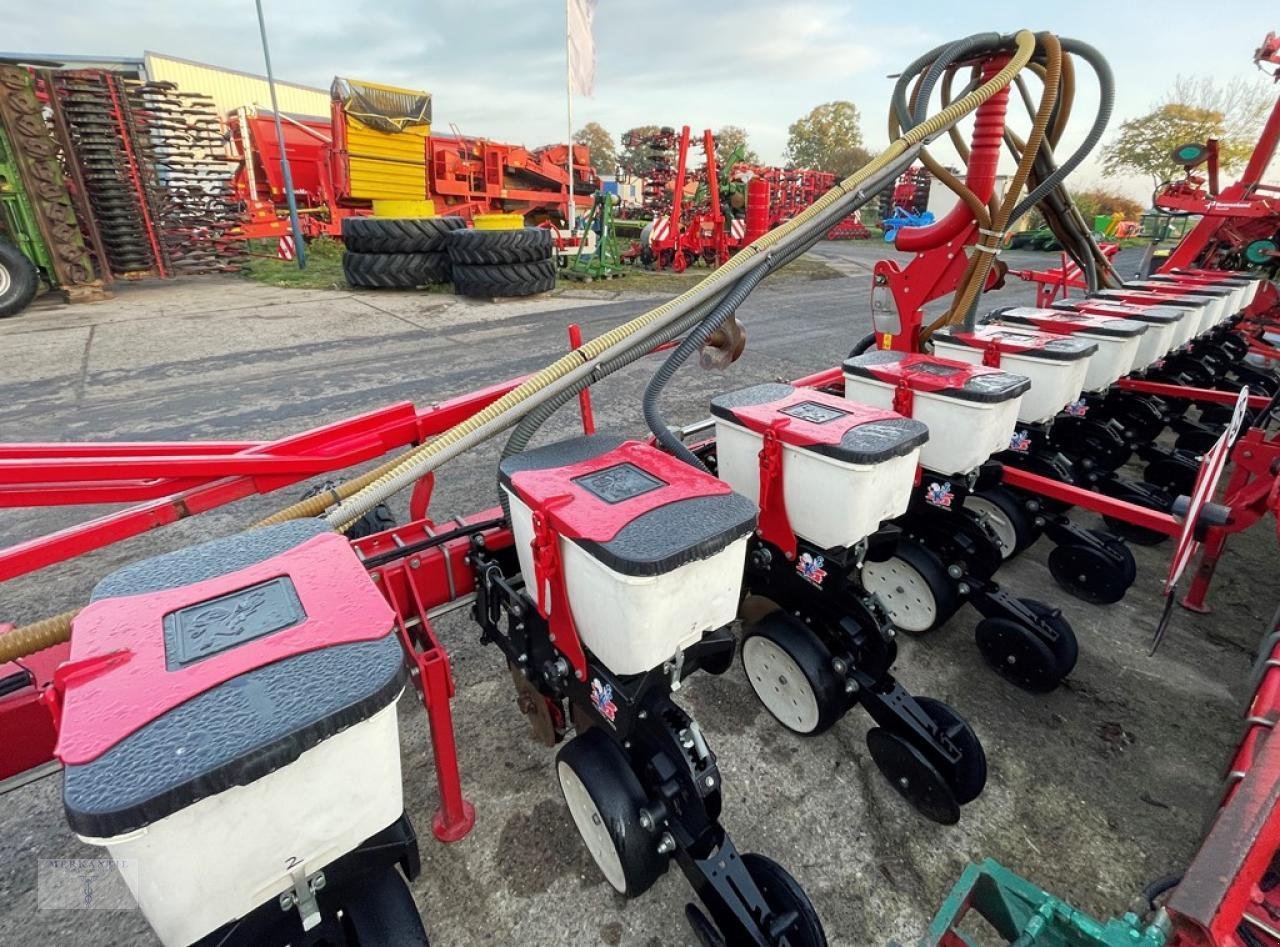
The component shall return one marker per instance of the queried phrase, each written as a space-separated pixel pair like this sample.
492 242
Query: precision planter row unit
238 683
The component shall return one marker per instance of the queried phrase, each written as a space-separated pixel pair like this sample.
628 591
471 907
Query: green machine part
605 261
1261 252
1022 915
17 216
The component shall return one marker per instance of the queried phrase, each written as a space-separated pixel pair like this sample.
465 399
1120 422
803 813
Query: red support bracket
774 524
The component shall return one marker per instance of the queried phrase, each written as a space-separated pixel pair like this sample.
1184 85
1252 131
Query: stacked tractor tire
404 253
498 263
397 253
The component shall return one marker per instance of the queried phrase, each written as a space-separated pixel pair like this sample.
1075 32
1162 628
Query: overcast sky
496 67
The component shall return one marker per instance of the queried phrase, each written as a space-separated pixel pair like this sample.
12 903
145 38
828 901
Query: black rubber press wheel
786 897
1090 574
789 669
913 776
969 777
913 586
605 798
382 914
1018 654
1007 518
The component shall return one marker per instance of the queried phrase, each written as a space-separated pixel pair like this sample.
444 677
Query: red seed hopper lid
638 510
824 423
1069 323
1008 341
940 376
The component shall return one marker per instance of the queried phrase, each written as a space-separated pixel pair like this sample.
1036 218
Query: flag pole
299 247
568 89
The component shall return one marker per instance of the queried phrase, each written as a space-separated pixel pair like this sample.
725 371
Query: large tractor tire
398 234
497 247
395 270
19 280
514 279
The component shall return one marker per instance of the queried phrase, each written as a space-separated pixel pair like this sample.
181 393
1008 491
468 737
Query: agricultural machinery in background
704 214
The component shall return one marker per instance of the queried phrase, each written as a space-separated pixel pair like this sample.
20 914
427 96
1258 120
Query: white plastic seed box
270 669
845 467
1117 339
1196 312
1165 324
971 410
1055 364
652 549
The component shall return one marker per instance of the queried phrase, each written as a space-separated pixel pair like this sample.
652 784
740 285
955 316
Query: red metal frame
214 479
1221 890
1245 211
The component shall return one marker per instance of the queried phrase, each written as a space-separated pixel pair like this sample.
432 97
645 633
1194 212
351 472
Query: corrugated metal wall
230 89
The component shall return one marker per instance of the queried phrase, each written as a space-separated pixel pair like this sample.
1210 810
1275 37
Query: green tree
1193 110
604 156
825 138
844 161
728 140
634 158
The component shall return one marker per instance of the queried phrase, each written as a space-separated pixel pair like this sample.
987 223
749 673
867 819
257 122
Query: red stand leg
1214 544
455 817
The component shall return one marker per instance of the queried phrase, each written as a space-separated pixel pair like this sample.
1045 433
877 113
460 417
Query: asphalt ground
1093 790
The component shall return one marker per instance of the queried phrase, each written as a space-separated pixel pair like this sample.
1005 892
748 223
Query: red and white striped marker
284 248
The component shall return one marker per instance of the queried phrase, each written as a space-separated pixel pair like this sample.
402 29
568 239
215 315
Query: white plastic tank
971 411
845 467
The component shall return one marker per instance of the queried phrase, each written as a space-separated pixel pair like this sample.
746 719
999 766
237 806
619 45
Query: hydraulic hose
988 244
367 491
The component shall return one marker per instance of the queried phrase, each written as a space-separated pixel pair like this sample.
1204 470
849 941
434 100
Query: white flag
582 46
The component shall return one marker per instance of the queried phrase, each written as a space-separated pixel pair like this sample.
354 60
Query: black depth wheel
605 798
789 668
785 897
1007 518
913 776
969 776
1090 574
1126 564
1067 648
382 914
1017 654
707 933
913 586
